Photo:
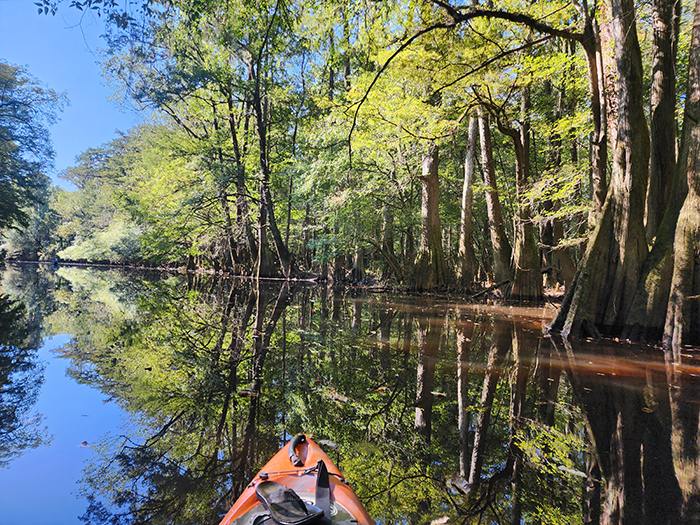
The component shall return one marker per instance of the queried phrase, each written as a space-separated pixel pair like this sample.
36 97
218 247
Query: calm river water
132 398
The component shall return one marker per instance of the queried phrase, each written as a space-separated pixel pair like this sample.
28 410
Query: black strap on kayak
301 438
323 492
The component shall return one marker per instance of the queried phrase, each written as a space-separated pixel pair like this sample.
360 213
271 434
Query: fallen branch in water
487 290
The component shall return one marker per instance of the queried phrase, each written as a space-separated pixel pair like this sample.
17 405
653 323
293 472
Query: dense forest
429 145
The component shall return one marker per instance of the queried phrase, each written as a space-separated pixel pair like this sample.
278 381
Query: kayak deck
296 467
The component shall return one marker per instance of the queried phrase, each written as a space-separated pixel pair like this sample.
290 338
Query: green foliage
39 239
27 108
317 101
118 243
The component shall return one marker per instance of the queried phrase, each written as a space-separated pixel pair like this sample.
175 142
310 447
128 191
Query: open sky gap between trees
428 145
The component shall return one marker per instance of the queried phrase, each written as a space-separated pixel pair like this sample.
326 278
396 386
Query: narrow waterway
130 398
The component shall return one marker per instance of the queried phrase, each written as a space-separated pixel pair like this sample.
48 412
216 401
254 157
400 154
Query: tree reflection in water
21 377
434 411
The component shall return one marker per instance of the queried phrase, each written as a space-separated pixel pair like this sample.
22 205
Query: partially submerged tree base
606 280
429 270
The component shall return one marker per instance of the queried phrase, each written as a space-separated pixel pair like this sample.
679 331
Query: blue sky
61 51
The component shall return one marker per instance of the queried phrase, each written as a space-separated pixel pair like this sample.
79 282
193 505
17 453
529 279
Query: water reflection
437 410
20 380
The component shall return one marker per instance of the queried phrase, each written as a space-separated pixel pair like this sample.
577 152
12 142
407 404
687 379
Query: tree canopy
303 138
27 108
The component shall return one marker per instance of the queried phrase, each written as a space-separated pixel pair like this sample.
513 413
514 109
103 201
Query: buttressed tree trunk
647 317
430 271
467 264
499 240
683 317
527 277
607 279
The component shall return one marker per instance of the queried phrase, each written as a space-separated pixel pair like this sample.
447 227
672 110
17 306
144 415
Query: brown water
436 411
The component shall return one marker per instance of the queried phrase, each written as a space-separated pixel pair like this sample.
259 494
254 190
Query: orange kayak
300 485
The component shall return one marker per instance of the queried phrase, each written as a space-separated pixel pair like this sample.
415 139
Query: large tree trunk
647 317
430 271
683 317
499 240
358 267
467 264
607 279
662 166
527 277
608 69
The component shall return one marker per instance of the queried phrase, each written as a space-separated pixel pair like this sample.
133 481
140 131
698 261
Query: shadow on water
434 410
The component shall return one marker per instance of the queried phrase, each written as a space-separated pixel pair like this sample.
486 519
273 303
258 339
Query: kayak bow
300 485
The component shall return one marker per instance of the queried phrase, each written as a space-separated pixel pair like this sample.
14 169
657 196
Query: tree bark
601 296
527 277
682 320
662 165
499 240
430 271
647 318
467 264
591 44
358 267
